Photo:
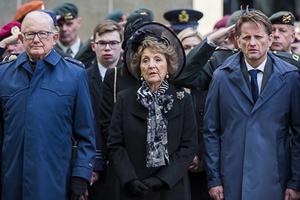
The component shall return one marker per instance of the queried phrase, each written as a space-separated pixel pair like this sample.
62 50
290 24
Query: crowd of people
145 111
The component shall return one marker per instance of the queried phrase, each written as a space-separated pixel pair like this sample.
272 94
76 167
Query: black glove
154 183
136 188
78 187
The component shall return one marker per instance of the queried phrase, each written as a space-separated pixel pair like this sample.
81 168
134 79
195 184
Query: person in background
69 24
180 19
45 104
10 45
118 16
296 43
152 137
106 44
249 151
189 38
283 31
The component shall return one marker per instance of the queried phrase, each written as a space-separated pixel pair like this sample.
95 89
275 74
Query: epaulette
8 59
226 49
287 55
77 62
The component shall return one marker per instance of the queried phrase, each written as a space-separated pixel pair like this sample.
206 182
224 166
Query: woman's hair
160 46
189 32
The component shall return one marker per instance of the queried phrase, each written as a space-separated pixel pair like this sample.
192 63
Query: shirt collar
75 47
102 70
260 67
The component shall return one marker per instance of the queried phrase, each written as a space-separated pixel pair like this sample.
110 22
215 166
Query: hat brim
159 31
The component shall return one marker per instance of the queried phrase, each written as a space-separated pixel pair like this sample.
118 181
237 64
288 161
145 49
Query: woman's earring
142 78
167 76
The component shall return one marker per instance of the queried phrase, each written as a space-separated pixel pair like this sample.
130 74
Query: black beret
283 17
66 11
183 18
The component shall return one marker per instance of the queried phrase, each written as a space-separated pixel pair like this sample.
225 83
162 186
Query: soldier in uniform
180 19
69 24
283 31
10 45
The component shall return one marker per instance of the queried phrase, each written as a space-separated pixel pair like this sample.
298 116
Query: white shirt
75 47
260 73
102 71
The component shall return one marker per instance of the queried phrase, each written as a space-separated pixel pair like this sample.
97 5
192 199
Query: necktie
254 84
69 52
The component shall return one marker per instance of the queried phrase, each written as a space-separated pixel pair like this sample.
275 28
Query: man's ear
55 36
237 39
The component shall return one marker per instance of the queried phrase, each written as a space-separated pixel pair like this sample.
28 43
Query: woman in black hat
152 136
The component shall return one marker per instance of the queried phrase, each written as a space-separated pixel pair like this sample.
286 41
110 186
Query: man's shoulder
289 57
74 62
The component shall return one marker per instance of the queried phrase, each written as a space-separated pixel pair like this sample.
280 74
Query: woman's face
153 67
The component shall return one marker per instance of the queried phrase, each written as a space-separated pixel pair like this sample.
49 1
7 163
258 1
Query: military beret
233 18
183 18
10 29
117 16
222 22
28 7
283 17
66 11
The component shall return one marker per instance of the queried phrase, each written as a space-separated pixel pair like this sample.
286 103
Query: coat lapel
96 79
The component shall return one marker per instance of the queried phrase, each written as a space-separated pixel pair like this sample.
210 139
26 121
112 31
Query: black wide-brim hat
162 33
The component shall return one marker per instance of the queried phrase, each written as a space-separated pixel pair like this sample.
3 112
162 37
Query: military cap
66 11
28 7
117 16
233 18
222 22
52 15
10 29
183 18
283 17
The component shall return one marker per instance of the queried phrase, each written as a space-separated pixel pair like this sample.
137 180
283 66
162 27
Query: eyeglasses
112 44
41 35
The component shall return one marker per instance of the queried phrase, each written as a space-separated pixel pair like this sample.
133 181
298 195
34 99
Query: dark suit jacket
127 144
95 87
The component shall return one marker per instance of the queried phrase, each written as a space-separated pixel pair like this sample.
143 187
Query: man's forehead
110 35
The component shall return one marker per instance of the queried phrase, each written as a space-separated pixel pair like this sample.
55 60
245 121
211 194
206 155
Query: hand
95 177
154 183
216 193
79 188
195 165
9 40
291 194
220 35
136 188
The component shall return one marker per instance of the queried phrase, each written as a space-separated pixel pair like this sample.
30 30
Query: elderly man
283 31
44 106
252 104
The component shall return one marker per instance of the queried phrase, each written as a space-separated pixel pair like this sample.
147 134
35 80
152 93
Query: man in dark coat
45 104
106 44
252 104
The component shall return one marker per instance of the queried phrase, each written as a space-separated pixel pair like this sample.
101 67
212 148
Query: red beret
6 30
28 7
222 22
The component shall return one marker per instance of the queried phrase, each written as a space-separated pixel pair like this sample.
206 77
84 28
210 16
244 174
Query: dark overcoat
249 148
127 146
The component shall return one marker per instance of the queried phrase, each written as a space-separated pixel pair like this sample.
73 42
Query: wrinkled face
283 37
107 48
153 67
37 48
68 31
189 43
254 42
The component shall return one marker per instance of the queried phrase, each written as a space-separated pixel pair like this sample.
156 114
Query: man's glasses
41 35
112 44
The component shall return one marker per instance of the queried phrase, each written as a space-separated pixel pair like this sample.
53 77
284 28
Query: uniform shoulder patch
295 57
77 62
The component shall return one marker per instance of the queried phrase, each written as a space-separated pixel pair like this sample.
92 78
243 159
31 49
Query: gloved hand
136 188
154 183
78 187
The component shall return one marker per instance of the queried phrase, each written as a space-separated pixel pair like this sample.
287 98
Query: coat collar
52 58
275 78
142 112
